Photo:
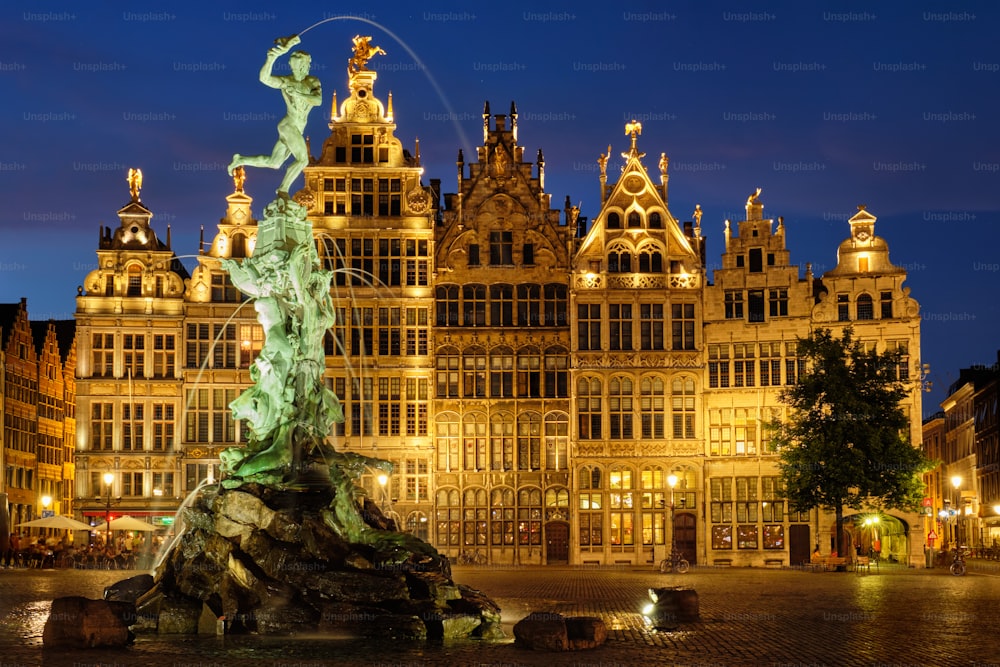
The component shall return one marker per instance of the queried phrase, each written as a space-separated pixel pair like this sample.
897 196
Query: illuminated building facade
130 324
548 392
37 401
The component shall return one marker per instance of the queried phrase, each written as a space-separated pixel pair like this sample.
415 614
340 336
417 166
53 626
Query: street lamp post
108 479
672 482
956 483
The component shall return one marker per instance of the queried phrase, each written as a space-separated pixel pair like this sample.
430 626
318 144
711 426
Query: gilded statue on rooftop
363 52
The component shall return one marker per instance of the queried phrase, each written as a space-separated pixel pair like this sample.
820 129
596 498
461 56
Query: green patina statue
302 92
289 410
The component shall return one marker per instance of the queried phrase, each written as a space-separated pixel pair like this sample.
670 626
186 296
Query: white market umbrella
56 522
126 523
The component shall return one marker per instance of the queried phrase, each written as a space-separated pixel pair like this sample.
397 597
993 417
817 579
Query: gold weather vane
239 178
363 52
134 183
754 197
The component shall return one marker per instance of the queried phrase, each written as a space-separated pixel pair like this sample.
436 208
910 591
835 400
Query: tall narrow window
651 326
886 302
588 326
620 408
620 326
588 408
866 309
682 407
682 326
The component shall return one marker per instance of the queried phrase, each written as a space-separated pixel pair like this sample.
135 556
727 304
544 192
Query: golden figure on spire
239 178
363 52
634 128
134 183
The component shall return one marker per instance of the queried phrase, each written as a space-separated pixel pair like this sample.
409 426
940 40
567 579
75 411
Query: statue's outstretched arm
282 46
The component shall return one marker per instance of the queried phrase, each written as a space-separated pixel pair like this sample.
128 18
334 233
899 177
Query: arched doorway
686 535
557 543
877 533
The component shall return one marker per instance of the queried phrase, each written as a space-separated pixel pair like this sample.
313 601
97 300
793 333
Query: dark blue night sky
823 105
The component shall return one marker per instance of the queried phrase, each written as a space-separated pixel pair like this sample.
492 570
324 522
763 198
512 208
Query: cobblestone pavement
748 617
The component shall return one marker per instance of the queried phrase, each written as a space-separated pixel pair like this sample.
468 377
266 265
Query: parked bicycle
675 562
957 567
476 557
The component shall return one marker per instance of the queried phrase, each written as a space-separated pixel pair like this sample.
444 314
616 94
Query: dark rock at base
129 590
78 622
281 561
344 620
541 631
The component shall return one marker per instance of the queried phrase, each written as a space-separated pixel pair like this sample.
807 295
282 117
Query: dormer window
134 281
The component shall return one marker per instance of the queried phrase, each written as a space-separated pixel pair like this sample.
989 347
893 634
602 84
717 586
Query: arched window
474 441
529 441
502 513
620 408
447 305
529 516
474 305
652 407
634 219
682 405
866 308
448 361
474 518
655 221
556 441
588 408
557 497
449 518
239 248
416 525
447 441
529 301
614 221
134 286
502 441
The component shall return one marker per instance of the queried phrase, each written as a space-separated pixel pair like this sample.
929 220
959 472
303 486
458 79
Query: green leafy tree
846 441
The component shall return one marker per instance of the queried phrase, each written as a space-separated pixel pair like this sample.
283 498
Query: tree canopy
846 440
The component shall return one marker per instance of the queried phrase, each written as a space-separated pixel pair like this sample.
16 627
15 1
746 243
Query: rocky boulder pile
270 561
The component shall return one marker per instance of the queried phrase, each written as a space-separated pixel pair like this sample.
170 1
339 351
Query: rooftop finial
634 128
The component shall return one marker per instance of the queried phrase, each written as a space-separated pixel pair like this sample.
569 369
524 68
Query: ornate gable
502 200
635 221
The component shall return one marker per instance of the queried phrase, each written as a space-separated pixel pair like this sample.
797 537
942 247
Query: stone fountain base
271 561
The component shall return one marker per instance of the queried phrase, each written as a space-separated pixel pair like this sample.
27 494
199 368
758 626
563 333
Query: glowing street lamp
956 483
672 482
383 479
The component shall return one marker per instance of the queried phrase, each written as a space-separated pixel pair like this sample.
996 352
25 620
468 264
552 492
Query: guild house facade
550 391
